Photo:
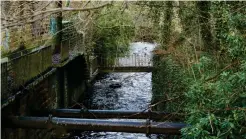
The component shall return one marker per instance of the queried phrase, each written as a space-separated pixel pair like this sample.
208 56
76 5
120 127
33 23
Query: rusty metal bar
93 125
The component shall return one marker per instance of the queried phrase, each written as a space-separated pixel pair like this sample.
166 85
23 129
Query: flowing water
134 94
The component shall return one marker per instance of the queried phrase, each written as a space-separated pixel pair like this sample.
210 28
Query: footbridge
126 63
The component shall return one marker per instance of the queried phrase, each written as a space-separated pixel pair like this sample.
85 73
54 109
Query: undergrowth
206 75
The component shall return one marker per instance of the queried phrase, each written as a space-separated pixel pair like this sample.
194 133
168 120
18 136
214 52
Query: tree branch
53 11
224 69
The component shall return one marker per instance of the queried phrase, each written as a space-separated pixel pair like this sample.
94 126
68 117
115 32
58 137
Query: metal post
132 63
58 35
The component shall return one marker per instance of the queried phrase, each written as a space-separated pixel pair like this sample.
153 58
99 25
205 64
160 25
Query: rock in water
115 85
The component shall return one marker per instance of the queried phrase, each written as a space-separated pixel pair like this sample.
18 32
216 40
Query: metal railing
22 66
134 60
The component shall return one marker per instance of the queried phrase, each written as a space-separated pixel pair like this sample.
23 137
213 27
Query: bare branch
53 11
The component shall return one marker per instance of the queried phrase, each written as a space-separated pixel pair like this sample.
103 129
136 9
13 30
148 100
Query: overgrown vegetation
200 62
114 30
201 66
